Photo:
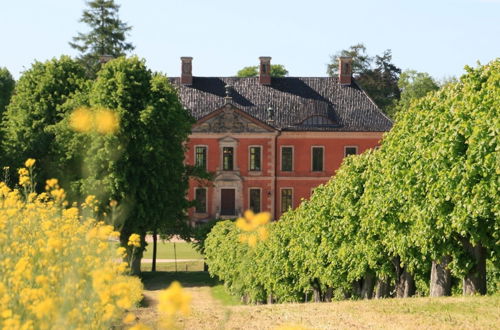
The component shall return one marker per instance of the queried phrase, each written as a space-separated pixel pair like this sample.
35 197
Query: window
201 157
317 159
350 151
201 200
227 158
255 200
286 199
255 159
286 159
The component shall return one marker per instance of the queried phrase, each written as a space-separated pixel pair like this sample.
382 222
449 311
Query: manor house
269 141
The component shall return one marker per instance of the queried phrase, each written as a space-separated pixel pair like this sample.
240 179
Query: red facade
276 187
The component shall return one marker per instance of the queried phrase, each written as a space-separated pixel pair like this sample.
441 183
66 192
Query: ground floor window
255 200
286 199
201 200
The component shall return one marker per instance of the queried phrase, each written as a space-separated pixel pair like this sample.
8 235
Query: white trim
281 157
206 199
345 149
260 197
261 158
206 155
281 198
322 156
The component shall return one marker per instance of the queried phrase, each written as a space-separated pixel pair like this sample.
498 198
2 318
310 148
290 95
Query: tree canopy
107 35
277 70
7 84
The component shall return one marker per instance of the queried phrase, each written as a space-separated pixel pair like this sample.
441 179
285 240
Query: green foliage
7 84
106 36
413 85
361 61
40 102
432 190
277 71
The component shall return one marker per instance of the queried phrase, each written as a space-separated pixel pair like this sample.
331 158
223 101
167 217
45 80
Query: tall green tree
37 105
413 85
141 165
277 70
377 75
107 35
7 84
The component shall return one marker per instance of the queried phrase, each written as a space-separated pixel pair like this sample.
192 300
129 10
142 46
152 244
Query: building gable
230 119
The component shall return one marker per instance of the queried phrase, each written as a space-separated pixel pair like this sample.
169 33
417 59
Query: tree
106 36
361 62
39 103
7 84
141 164
413 85
277 71
378 76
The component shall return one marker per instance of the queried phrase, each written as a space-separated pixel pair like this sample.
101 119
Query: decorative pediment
230 120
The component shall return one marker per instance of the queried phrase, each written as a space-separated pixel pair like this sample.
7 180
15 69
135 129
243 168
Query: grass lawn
166 251
182 266
213 308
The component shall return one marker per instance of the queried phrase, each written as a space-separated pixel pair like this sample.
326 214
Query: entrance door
227 202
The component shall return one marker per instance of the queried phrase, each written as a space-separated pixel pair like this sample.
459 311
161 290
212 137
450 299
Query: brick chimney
265 70
345 70
187 70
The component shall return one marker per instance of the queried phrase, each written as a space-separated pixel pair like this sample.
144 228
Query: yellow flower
23 171
113 203
51 183
173 300
253 227
139 326
129 318
81 120
30 162
106 121
134 240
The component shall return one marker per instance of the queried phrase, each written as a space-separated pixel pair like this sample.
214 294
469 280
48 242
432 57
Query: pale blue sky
438 37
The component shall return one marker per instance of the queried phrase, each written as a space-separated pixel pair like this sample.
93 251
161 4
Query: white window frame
312 159
250 160
206 199
281 158
345 150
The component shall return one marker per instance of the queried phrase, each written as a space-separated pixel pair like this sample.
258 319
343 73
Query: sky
439 37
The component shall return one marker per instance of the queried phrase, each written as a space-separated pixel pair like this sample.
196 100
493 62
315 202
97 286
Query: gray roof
299 103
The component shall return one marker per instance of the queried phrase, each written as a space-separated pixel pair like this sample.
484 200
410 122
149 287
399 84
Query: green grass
161 279
166 251
182 266
220 293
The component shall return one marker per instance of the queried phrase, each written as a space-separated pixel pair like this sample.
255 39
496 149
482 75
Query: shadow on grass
160 280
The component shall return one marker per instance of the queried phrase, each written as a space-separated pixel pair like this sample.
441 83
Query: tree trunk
328 294
475 280
270 299
405 285
440 284
356 288
135 264
367 286
383 288
205 266
316 290
155 239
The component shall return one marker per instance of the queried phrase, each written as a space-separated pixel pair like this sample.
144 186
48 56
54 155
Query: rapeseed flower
174 300
134 240
253 227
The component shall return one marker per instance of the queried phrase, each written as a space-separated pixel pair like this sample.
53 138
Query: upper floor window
201 157
286 159
317 159
228 158
350 151
201 200
255 200
255 155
